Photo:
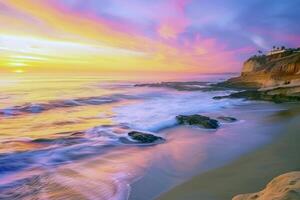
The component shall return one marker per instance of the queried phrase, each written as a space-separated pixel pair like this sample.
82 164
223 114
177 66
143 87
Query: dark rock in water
61 140
229 84
261 96
227 119
185 86
144 137
198 120
43 140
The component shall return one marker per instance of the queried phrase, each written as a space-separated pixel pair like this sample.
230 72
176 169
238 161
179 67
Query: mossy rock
198 120
144 137
261 96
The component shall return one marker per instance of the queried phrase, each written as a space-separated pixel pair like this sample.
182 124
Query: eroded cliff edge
266 72
272 77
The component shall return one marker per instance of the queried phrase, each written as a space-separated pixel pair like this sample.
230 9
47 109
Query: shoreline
190 151
249 173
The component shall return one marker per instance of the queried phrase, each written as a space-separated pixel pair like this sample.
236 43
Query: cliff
273 70
268 72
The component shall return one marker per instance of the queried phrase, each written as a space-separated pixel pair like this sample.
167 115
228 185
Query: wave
66 147
155 114
157 111
35 108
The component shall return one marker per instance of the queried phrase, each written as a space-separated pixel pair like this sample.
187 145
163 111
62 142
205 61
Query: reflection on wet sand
77 152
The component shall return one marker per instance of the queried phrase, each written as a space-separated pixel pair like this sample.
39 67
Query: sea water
60 137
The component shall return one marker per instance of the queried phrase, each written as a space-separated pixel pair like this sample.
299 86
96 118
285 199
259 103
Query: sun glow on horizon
52 36
19 71
32 52
61 40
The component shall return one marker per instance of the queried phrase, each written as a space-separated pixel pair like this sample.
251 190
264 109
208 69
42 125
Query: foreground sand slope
284 187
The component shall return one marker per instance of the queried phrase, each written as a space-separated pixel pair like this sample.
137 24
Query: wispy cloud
184 36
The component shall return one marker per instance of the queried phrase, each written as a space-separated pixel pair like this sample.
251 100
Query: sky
141 36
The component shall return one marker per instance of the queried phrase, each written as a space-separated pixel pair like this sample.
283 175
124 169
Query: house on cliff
275 51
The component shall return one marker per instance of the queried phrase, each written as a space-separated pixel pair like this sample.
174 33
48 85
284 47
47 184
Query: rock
185 86
227 119
284 187
238 84
261 96
62 140
43 140
144 137
198 120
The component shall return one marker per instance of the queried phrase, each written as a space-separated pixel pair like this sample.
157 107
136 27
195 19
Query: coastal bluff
274 76
270 71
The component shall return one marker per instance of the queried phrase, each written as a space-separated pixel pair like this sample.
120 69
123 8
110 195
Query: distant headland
279 67
274 76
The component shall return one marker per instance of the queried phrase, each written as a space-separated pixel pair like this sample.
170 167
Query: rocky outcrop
198 120
261 96
181 86
284 187
186 86
144 137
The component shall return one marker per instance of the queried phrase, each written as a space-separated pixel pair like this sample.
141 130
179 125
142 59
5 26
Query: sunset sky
130 36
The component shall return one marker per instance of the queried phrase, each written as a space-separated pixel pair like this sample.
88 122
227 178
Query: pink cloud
174 21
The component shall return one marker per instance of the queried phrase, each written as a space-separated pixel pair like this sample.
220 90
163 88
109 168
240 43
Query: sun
18 66
18 71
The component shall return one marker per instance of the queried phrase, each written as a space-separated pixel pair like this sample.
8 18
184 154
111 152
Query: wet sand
75 152
251 172
190 151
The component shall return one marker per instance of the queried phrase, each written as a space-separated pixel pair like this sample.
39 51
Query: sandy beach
87 148
251 172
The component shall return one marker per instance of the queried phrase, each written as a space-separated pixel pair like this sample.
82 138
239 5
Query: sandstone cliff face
272 70
263 72
251 66
284 187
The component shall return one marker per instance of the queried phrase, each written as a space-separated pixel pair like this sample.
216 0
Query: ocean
62 138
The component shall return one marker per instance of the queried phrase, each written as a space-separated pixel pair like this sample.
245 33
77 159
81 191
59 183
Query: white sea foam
94 162
155 113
